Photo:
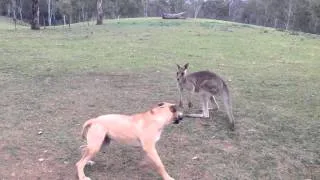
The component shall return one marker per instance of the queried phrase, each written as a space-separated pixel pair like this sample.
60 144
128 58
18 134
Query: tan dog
143 129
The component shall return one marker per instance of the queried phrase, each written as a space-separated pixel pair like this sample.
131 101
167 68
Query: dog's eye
173 108
161 104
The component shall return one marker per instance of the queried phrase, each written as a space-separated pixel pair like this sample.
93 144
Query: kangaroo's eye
182 73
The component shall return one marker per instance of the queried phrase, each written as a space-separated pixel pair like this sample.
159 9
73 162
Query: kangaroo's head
182 72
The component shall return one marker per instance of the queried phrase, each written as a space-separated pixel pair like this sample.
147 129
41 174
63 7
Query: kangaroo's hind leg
205 106
204 101
214 103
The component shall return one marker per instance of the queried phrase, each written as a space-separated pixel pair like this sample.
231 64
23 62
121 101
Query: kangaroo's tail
227 104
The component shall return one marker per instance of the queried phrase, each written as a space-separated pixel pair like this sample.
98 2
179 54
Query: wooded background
299 15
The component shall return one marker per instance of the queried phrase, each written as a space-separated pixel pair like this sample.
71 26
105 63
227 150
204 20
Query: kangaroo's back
206 81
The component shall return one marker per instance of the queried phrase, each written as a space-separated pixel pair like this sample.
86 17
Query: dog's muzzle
178 118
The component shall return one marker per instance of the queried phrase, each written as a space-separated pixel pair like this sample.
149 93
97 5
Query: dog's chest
158 135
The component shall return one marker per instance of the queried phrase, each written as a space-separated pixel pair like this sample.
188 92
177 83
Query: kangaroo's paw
190 104
180 104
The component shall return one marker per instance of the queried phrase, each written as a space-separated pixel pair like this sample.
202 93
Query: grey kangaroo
208 85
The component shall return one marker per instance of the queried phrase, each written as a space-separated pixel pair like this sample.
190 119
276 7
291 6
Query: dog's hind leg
95 138
105 143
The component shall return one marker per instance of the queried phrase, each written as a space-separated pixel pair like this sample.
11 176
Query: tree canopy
300 15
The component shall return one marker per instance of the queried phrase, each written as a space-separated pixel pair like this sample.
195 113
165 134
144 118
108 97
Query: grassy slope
274 80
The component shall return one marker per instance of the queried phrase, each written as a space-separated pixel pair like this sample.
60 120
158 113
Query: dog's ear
161 104
186 66
173 108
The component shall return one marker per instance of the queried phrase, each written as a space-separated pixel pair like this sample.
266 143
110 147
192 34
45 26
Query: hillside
54 79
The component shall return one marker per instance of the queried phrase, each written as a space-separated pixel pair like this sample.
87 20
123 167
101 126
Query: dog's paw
86 178
169 178
90 163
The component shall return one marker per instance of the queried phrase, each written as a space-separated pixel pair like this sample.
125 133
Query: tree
14 8
99 12
35 15
145 7
49 12
217 9
302 15
20 5
197 5
289 10
314 8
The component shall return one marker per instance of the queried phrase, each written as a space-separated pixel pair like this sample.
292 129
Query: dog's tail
85 128
227 104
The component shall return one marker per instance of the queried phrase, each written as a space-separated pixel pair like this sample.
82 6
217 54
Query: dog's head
168 111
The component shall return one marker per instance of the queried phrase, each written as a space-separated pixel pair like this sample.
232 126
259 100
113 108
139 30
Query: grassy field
54 79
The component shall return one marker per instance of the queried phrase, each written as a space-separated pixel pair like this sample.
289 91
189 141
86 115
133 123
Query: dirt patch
42 118
41 121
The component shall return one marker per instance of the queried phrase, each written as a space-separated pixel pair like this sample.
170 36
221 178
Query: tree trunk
20 10
14 7
53 10
14 15
146 5
289 14
9 9
49 12
82 13
35 15
275 23
54 19
64 20
44 22
315 26
197 11
87 18
100 12
230 9
20 13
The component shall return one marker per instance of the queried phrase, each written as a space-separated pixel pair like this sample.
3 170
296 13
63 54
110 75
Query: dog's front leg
152 153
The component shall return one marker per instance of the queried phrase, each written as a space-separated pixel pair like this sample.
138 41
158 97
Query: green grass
273 77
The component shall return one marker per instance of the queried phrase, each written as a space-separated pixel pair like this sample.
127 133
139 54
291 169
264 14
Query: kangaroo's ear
179 67
186 66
